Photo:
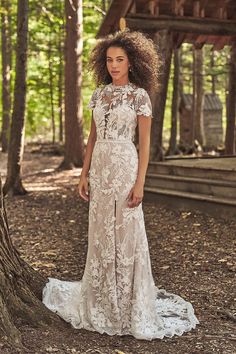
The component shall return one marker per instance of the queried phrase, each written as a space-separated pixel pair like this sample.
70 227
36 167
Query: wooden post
163 39
231 105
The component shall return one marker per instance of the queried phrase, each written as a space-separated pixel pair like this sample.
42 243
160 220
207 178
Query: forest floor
192 255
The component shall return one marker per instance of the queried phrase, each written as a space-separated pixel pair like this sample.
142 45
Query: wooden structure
207 184
170 23
212 120
192 21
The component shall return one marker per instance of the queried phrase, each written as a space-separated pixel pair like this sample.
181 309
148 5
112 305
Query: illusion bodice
115 110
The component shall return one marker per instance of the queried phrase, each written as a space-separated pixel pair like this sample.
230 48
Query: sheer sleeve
93 99
143 105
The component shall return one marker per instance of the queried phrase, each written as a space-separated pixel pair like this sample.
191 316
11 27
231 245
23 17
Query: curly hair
142 55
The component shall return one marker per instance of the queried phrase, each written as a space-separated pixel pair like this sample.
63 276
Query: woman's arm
144 132
89 149
83 183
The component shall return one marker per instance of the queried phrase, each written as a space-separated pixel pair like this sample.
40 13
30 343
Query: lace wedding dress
117 294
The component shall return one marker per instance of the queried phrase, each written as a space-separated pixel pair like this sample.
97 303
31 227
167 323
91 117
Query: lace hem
174 315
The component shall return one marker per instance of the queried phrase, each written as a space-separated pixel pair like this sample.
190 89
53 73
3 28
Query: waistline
114 141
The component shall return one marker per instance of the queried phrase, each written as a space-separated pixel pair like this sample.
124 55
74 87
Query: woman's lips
115 72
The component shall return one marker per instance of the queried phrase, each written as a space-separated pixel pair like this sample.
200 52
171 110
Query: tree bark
104 7
21 289
175 103
213 76
6 72
50 69
231 105
198 97
60 80
74 140
16 147
164 41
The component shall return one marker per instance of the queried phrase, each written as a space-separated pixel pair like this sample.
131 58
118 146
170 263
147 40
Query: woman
117 294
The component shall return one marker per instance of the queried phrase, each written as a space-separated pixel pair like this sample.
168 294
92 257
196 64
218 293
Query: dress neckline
114 87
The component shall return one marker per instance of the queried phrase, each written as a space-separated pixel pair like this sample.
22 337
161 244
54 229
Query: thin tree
60 76
198 95
231 105
165 44
6 72
175 102
51 91
16 147
74 142
213 76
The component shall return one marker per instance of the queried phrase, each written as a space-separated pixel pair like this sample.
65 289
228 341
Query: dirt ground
192 254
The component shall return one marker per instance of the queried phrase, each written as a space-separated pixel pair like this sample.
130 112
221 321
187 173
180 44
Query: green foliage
219 70
46 37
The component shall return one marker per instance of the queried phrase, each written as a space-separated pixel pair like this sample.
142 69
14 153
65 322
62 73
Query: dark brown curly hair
142 54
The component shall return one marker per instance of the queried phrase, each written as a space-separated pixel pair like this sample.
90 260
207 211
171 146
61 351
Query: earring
130 70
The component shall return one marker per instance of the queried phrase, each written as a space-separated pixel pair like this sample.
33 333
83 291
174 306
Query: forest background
45 83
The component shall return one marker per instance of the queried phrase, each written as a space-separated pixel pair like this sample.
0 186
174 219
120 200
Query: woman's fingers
130 194
135 202
83 192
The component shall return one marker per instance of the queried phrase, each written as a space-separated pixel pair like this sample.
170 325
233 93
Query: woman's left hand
135 196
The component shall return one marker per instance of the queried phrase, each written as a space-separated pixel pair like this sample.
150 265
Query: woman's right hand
83 188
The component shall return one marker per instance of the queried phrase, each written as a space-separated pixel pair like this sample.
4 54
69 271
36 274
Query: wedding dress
117 294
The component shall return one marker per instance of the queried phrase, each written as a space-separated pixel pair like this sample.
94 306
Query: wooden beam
221 43
200 41
182 24
118 9
196 8
151 6
178 39
133 8
177 6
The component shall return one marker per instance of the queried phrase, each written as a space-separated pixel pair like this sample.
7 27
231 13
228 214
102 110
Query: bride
117 294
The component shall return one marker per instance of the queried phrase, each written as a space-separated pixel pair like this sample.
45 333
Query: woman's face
118 65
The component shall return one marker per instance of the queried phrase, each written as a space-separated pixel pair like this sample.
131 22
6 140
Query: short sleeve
143 105
93 99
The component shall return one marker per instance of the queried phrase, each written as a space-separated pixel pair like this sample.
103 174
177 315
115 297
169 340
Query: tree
198 95
164 41
231 105
13 182
175 102
6 72
20 288
74 142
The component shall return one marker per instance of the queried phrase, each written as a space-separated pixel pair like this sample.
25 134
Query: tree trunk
50 69
175 103
21 289
6 72
198 97
231 105
16 146
164 41
60 81
104 7
74 140
213 76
